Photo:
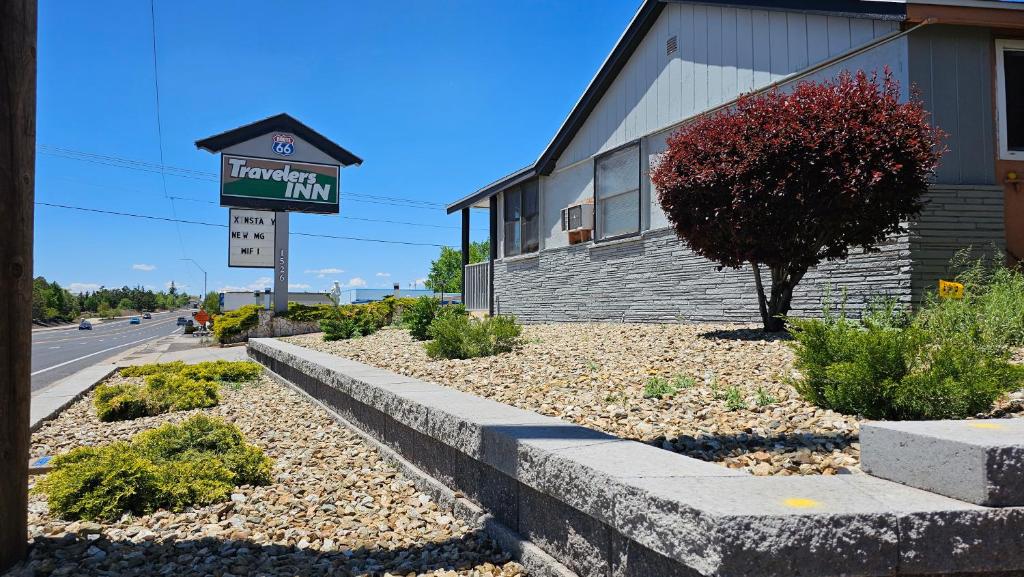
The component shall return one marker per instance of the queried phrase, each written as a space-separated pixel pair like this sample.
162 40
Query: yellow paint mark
985 425
801 503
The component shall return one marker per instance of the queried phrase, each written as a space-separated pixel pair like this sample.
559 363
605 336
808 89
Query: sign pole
281 262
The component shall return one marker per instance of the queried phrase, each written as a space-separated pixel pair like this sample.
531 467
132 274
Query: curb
101 373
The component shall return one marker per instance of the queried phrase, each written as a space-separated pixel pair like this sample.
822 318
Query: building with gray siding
678 60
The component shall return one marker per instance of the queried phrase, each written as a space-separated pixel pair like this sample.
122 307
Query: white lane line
52 348
99 352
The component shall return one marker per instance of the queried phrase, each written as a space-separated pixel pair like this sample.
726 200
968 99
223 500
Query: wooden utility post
17 192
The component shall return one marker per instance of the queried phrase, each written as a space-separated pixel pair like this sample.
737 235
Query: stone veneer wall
655 278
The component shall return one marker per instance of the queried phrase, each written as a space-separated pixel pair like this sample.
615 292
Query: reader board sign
281 185
251 238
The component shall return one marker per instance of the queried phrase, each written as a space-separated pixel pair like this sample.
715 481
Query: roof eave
495 187
284 122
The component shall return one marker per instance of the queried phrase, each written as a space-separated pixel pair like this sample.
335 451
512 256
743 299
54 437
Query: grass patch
734 400
172 467
764 398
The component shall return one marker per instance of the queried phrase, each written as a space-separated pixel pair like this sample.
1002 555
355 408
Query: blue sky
438 98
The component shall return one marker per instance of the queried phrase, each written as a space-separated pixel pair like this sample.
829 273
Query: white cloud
256 285
297 286
354 282
323 272
384 274
421 281
145 267
83 287
178 287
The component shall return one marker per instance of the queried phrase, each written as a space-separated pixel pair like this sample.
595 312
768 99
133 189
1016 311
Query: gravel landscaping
335 507
738 412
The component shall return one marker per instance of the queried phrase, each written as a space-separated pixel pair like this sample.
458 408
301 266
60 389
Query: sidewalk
49 401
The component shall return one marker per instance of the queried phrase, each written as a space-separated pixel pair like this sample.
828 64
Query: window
522 212
617 193
1010 98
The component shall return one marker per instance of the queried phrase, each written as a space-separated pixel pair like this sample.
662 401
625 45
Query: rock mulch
335 507
594 375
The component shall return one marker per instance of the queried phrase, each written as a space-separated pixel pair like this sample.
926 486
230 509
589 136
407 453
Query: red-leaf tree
786 180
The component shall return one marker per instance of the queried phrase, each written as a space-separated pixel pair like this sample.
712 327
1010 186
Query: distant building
366 295
233 300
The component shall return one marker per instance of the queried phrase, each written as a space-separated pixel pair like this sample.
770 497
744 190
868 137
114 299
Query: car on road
135 321
85 325
147 316
182 321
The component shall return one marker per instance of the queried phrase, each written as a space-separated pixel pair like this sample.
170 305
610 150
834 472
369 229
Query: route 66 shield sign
284 144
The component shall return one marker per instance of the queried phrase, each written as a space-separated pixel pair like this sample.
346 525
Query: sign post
281 263
270 168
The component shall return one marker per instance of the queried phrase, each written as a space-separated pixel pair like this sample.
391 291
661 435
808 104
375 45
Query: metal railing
478 286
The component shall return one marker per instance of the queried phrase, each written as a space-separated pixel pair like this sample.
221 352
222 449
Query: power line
159 124
131 164
344 217
200 223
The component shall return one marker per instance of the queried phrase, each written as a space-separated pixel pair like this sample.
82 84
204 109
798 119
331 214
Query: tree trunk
776 305
17 186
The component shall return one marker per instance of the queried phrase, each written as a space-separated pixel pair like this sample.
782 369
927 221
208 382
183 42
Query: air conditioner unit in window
578 221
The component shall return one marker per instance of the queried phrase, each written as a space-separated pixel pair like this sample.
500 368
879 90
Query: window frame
520 189
1004 45
639 192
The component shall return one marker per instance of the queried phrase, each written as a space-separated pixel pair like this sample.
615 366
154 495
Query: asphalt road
59 353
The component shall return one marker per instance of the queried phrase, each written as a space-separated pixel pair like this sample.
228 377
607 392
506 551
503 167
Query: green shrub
100 483
178 393
379 313
339 329
174 466
455 335
234 323
152 369
120 402
169 387
885 368
418 316
306 313
232 371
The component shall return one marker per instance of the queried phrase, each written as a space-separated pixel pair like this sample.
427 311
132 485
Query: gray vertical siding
723 52
952 68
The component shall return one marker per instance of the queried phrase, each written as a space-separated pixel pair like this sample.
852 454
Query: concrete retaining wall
607 507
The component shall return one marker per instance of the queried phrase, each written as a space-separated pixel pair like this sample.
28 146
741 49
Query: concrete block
578 541
978 461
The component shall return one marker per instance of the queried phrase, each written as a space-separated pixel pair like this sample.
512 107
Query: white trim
1003 45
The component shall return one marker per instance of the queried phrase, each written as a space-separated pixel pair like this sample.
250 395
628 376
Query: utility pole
204 277
17 194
